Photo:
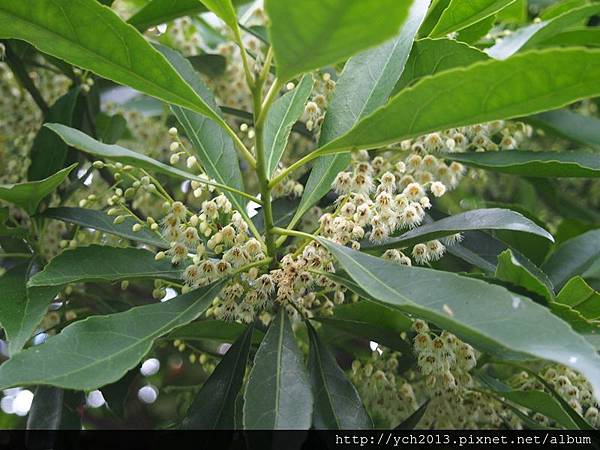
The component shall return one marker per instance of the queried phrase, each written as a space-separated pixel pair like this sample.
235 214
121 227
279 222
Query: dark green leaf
98 350
536 33
103 263
534 164
278 393
91 36
573 258
580 37
487 316
283 114
214 330
29 195
214 406
477 219
21 310
314 33
213 147
460 14
109 128
337 403
524 84
511 270
283 211
364 85
46 409
570 125
49 152
474 33
98 220
209 64
431 56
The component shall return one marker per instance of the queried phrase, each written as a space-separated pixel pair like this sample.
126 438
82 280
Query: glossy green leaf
579 37
573 258
46 409
215 330
460 14
21 310
436 10
213 147
224 9
566 164
487 316
370 320
283 210
365 84
537 401
511 270
283 114
581 297
29 195
337 403
474 33
278 393
99 220
49 152
536 33
431 56
311 34
516 12
570 125
157 12
92 36
98 350
214 406
524 84
559 7
103 263
85 143
109 128
477 219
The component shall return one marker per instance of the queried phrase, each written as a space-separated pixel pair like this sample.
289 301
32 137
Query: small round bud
136 227
173 131
174 146
98 165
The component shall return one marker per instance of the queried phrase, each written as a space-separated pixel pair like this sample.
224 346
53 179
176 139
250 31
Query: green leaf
46 409
103 263
283 210
29 195
460 14
566 164
213 330
490 90
580 37
161 11
477 31
212 65
559 7
477 219
489 317
283 114
570 125
213 147
516 12
315 33
337 403
278 393
581 297
91 36
21 310
224 9
536 33
214 406
364 85
48 152
436 10
370 320
537 401
431 56
85 143
109 128
98 350
572 258
98 220
510 269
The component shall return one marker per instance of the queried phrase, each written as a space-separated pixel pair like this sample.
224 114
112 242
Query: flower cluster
388 398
